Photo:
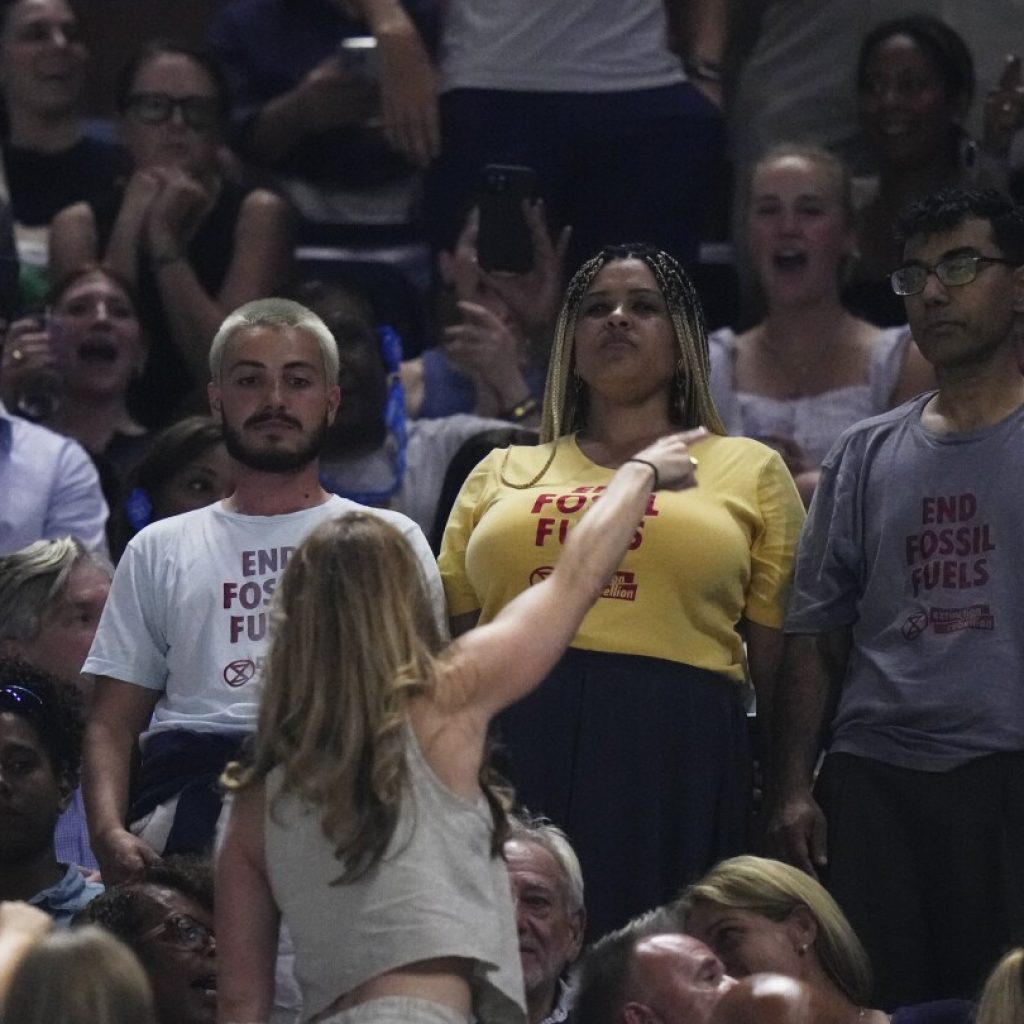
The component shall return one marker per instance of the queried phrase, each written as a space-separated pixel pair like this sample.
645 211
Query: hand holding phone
504 243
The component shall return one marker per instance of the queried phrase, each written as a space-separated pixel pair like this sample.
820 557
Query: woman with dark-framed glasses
194 244
166 919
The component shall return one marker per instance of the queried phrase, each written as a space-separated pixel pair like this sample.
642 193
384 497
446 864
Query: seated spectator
47 159
915 85
308 111
372 453
192 243
49 485
547 886
493 356
648 971
83 976
185 467
166 919
78 362
810 369
1002 998
40 757
762 915
51 596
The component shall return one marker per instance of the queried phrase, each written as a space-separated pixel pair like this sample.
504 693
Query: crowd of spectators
363 603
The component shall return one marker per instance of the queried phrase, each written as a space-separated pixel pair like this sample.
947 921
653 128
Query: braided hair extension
565 395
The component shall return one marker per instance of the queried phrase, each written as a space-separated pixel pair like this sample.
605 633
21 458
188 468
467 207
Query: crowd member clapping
194 244
761 915
810 368
365 820
659 661
48 161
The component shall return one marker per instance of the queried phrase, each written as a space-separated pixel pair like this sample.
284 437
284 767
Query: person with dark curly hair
40 757
166 918
904 653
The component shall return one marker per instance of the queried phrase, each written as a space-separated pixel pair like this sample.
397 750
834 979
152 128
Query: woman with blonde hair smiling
763 916
366 820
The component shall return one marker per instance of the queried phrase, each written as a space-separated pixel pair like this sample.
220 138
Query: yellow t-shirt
700 560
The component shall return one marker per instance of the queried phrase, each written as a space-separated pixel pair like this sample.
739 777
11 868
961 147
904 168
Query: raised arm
120 711
248 919
505 659
813 667
260 264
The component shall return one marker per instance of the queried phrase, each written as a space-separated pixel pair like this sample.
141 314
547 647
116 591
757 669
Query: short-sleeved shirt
701 559
913 543
188 614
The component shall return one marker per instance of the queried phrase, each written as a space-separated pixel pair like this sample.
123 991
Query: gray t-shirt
912 541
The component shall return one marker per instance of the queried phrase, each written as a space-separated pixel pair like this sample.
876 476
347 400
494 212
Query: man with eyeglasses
905 650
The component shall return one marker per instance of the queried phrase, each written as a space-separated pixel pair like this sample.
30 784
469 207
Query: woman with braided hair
636 743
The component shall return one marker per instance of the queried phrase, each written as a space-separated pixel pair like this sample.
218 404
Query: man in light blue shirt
49 488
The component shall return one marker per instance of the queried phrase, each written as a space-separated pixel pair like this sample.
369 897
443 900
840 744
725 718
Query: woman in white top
810 368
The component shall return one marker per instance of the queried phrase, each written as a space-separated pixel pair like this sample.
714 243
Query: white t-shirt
557 46
189 609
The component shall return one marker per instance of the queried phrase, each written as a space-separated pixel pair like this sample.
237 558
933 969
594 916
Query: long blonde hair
565 395
1002 998
353 639
81 976
774 890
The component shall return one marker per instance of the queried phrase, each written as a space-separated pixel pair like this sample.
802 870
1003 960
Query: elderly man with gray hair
547 885
51 595
178 651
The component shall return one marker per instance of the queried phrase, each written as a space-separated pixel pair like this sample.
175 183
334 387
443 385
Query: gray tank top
437 892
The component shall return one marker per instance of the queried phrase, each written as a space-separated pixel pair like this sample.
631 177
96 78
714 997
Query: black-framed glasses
201 113
952 272
183 931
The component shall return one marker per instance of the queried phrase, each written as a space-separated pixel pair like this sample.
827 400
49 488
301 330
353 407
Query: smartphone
503 242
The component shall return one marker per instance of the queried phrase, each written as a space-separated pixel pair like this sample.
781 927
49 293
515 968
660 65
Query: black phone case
503 242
